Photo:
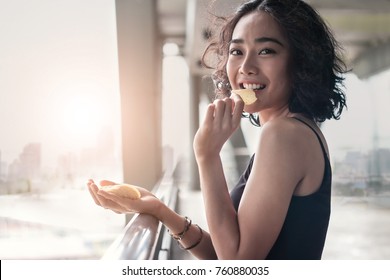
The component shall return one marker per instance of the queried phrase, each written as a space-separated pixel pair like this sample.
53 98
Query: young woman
280 207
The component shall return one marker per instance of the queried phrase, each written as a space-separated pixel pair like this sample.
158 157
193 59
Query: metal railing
145 237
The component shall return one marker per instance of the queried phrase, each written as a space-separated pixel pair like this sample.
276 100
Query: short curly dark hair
317 67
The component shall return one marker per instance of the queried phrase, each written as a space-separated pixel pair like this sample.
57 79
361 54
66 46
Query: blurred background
114 89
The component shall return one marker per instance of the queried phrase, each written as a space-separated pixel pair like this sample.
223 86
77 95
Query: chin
252 108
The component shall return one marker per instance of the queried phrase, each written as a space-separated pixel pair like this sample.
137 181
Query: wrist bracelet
179 236
197 241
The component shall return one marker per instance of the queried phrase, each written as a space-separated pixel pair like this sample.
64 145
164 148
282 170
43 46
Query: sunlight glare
82 116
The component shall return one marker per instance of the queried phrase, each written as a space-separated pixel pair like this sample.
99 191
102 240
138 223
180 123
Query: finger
110 203
107 183
93 189
237 100
101 201
228 108
219 110
120 202
238 109
209 113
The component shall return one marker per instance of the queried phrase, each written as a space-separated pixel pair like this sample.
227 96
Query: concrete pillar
140 63
195 91
373 61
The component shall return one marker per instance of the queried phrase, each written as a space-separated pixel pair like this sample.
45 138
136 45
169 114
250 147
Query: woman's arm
193 236
250 232
221 120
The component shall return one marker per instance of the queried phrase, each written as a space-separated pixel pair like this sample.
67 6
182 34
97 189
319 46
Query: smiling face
259 59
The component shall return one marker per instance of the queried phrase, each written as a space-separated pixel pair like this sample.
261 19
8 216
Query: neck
268 115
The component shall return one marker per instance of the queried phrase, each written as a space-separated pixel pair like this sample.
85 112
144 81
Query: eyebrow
258 40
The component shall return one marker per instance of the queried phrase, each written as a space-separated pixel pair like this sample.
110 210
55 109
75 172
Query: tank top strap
316 133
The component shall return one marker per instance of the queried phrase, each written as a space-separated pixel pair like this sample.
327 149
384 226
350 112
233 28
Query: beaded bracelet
179 236
196 243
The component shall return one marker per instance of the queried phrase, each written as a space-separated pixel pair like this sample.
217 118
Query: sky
58 74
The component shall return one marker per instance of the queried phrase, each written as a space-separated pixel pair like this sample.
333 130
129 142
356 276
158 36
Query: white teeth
253 86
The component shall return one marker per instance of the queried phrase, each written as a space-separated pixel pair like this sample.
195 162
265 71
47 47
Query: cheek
287 77
284 84
229 71
281 73
280 79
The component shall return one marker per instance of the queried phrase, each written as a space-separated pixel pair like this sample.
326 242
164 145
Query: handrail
144 237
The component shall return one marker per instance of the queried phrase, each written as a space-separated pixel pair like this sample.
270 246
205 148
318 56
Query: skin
259 54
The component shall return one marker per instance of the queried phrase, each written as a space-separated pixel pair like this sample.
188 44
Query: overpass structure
144 27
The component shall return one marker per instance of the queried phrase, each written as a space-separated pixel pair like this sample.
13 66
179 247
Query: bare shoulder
286 145
291 147
281 150
283 131
284 126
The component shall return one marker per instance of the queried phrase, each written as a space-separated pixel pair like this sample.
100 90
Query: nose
248 66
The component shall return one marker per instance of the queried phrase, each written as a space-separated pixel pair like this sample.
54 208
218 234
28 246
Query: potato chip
247 95
123 190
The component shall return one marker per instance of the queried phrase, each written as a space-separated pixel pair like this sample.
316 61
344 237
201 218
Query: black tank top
303 234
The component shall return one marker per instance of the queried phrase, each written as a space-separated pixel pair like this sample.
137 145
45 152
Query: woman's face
259 59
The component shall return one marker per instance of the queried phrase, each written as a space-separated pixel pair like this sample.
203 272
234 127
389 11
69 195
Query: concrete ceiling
362 27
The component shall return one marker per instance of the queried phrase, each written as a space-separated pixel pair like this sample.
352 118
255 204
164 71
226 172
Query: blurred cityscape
358 174
48 213
362 174
26 174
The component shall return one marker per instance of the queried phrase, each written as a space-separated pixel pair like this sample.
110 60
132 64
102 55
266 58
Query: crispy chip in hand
123 190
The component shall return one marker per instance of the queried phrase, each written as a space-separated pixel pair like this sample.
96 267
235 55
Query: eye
267 51
235 52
